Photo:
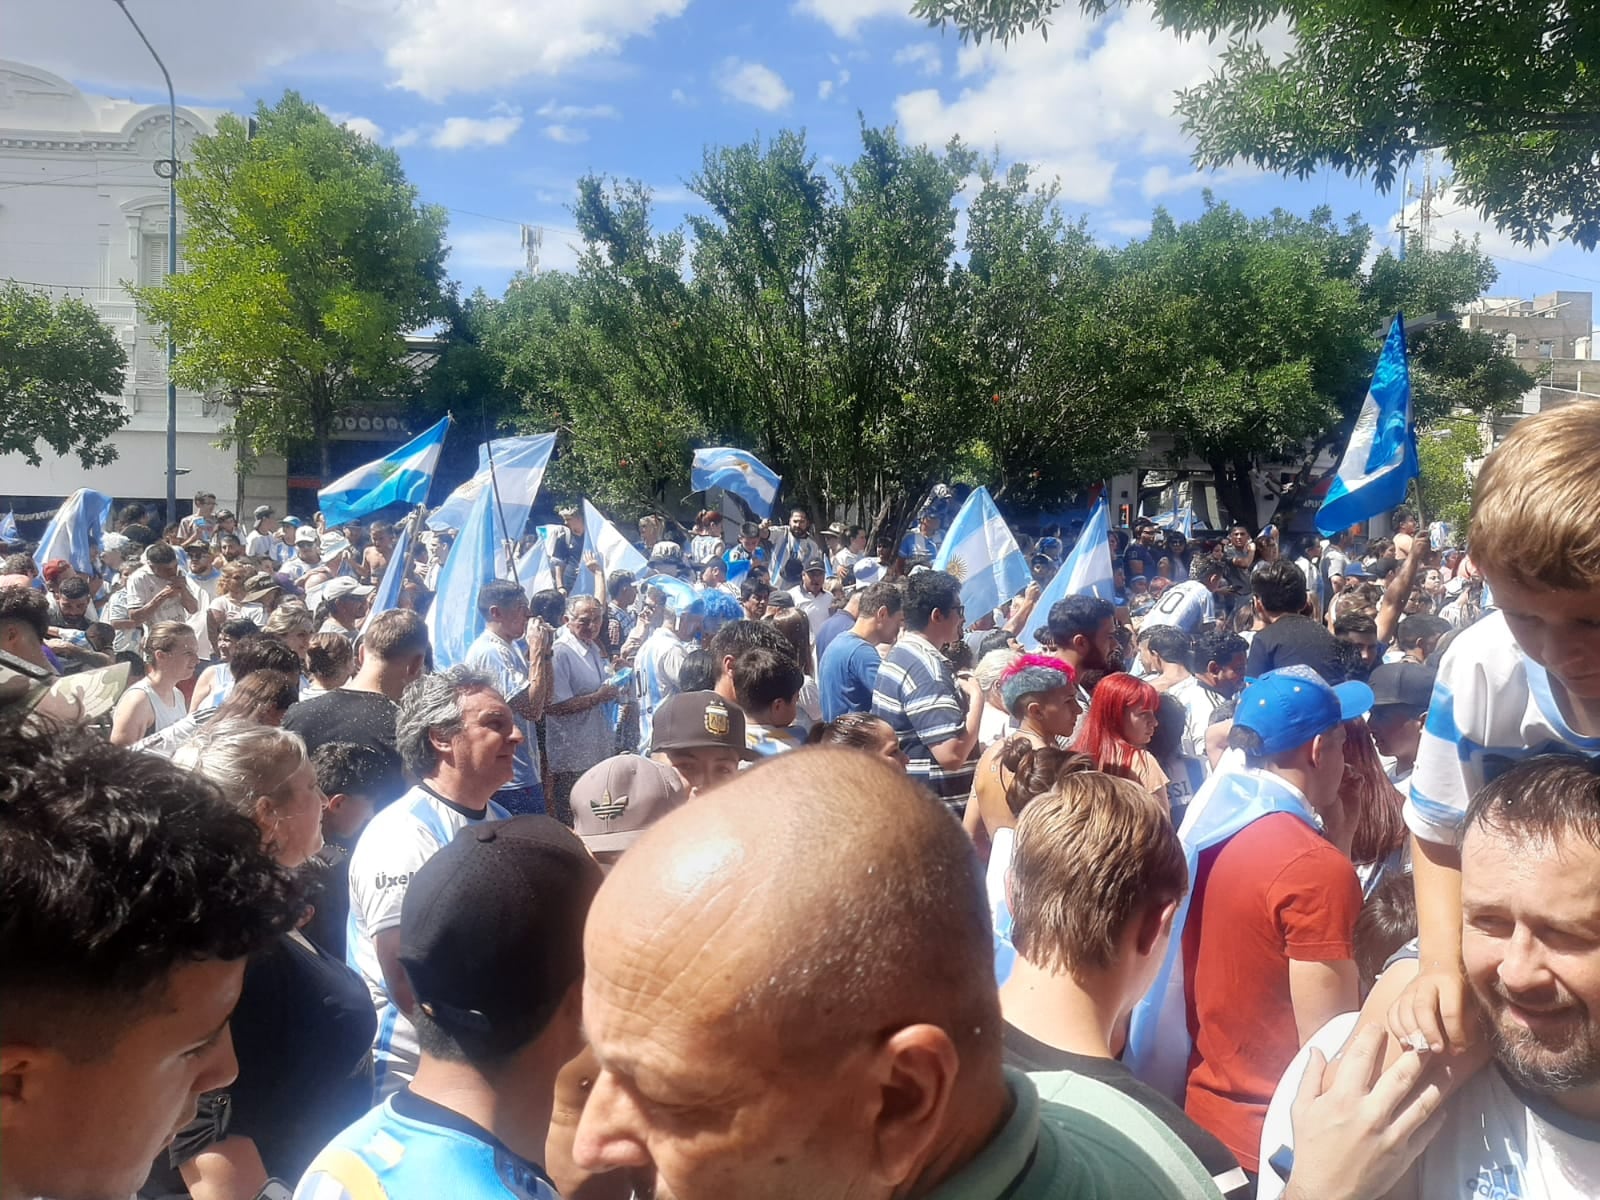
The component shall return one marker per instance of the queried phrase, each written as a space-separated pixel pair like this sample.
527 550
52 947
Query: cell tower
532 243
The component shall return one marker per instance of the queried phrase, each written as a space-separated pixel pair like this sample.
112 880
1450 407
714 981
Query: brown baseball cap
698 720
616 800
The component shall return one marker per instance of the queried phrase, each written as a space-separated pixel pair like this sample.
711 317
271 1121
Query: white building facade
82 214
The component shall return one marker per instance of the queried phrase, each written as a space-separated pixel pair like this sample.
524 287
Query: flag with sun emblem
980 551
739 472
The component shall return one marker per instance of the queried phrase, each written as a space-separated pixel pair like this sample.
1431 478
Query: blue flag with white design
1381 457
75 531
1178 520
475 559
1087 571
739 472
737 568
980 551
387 594
8 528
402 476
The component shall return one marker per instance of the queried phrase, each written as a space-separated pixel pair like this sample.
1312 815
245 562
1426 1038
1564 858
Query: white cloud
462 133
432 47
363 126
1128 227
753 83
436 47
824 89
406 137
1095 95
578 112
679 96
845 17
1160 180
568 135
923 56
498 248
1451 215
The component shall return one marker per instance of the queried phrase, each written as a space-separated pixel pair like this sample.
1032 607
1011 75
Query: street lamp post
168 168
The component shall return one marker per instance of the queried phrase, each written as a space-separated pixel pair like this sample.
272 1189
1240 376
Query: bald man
778 1015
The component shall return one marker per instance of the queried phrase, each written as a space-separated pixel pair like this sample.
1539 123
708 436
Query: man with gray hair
578 734
459 739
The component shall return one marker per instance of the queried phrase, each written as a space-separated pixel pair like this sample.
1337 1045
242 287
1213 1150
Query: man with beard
1528 1125
1083 630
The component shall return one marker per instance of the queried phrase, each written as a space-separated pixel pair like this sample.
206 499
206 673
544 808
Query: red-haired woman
1121 721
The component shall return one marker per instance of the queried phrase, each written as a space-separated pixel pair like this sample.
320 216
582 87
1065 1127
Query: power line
111 175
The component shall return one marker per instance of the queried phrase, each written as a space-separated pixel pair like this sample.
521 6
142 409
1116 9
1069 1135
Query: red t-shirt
1275 891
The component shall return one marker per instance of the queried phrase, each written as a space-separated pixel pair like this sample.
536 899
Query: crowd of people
772 871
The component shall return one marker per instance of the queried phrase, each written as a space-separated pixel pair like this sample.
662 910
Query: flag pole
494 486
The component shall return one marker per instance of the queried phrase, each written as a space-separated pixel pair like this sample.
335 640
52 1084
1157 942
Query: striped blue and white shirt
398 840
409 1148
916 693
656 676
1492 707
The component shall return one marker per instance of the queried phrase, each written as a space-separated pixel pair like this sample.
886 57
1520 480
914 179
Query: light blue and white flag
75 531
1158 1033
1087 571
980 551
402 476
603 540
477 558
519 464
1179 520
1381 457
535 571
387 594
8 528
739 472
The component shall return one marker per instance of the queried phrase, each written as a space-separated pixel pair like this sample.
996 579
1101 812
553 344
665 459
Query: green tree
1443 453
1508 92
308 259
61 370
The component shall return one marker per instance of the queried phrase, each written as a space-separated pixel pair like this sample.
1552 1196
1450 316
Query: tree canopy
308 259
61 372
842 325
1508 92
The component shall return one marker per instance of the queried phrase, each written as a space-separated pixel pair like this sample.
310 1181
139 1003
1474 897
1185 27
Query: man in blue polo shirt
849 668
491 938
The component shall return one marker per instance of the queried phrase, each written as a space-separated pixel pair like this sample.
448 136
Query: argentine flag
75 531
387 595
519 464
400 477
980 551
739 472
1382 455
616 553
1087 571
475 559
8 528
1178 520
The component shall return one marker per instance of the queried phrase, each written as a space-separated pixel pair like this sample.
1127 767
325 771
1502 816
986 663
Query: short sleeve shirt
1275 892
656 676
1492 707
394 844
1184 606
144 585
915 692
848 673
576 741
1293 641
507 664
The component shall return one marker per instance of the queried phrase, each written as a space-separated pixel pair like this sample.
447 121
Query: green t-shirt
1074 1138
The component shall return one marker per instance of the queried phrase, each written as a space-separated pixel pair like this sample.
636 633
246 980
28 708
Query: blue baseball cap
1288 707
1354 570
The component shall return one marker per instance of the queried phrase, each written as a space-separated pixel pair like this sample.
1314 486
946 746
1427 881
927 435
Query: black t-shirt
1294 641
330 914
365 718
302 1033
1029 1054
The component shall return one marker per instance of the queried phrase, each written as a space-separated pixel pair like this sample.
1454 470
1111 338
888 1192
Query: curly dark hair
115 869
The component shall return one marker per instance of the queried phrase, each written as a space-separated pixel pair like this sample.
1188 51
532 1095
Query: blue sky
497 107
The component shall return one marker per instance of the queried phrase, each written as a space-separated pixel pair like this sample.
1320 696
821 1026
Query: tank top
166 714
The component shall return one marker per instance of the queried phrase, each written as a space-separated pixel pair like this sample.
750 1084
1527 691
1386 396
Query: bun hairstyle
1036 770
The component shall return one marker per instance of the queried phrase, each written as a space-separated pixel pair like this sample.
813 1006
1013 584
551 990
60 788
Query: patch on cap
717 719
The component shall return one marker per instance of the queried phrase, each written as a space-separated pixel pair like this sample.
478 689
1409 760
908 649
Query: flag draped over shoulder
1381 457
1087 571
981 552
739 472
401 476
75 531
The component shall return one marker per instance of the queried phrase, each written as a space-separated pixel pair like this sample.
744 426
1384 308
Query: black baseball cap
696 721
1402 685
491 929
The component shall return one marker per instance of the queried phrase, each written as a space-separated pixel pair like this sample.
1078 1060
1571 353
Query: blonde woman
303 1028
230 603
171 653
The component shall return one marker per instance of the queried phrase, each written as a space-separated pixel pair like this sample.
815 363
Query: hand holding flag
980 551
